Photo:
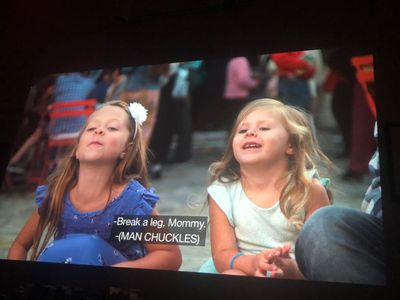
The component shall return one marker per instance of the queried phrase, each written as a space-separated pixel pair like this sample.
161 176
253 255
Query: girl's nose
251 132
99 131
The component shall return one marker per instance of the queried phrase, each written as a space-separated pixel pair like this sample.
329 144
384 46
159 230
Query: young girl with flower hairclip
104 176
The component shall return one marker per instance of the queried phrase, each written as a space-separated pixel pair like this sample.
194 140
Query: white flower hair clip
138 113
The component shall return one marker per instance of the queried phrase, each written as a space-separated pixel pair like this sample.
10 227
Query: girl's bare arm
319 198
224 246
24 240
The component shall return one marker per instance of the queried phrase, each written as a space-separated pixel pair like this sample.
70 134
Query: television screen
280 192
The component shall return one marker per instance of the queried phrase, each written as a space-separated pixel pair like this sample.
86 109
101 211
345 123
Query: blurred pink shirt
239 79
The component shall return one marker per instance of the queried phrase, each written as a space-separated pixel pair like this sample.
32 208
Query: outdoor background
182 186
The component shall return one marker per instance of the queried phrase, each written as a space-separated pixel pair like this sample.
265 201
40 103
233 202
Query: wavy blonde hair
132 166
296 194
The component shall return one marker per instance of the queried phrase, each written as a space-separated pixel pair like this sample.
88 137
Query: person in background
174 118
316 81
103 82
37 119
294 71
362 142
143 85
340 82
71 87
117 86
238 84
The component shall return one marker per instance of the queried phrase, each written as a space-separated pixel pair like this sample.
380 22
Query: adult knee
314 245
317 227
327 240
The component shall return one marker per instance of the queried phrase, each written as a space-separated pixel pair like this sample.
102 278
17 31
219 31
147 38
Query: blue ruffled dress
85 237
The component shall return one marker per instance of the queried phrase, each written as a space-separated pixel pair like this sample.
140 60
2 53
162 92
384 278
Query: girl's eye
241 131
90 129
264 128
112 128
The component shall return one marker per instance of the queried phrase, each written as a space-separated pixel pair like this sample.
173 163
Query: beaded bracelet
234 258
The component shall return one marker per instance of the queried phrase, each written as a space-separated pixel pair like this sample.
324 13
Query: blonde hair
295 194
132 166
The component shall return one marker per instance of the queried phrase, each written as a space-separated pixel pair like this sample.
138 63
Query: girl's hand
287 267
262 265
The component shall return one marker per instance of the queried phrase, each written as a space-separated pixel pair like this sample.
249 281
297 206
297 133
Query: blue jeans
342 245
295 91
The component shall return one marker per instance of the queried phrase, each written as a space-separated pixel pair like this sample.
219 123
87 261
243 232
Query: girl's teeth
251 146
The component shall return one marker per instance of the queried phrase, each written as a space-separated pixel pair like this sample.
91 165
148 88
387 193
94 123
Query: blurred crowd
205 95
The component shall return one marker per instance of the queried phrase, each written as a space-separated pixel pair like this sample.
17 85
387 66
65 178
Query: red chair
64 112
365 75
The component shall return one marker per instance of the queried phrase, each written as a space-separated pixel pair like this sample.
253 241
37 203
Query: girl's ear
122 155
289 150
126 148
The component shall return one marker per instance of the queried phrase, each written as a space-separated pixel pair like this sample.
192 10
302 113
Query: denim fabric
295 91
342 245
